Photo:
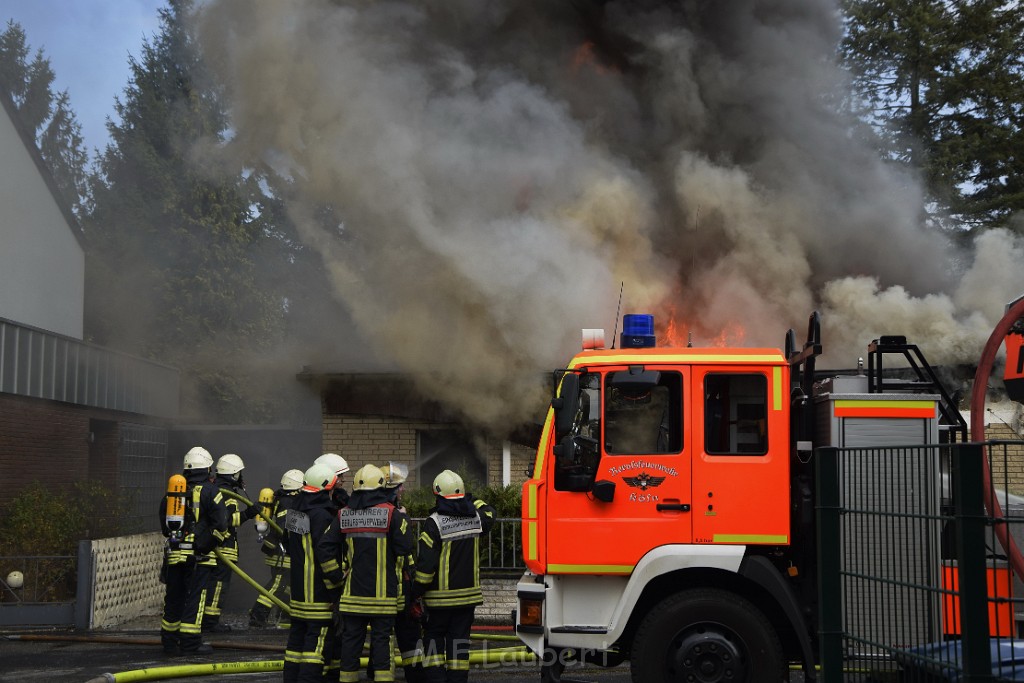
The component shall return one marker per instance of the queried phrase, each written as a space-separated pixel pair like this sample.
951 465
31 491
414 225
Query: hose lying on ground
516 655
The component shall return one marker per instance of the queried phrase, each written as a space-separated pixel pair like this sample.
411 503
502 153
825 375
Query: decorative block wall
126 579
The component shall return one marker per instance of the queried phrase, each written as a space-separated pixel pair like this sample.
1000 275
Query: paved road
47 656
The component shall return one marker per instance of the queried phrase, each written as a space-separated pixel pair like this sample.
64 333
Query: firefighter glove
250 512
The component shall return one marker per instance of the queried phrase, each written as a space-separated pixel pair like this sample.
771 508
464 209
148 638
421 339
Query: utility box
892 490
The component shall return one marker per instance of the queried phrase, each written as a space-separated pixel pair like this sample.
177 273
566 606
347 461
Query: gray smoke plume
500 168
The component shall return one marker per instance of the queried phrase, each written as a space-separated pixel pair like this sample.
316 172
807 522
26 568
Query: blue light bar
637 330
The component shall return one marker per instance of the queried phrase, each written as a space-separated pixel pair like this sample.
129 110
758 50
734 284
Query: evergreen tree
48 117
171 273
943 82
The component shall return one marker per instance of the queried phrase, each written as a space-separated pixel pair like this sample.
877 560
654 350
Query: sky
88 43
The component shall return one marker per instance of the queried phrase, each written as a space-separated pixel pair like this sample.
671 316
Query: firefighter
207 526
229 478
364 544
337 463
276 554
312 630
448 576
408 627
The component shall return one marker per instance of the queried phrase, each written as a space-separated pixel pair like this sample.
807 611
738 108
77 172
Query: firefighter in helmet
276 554
365 542
337 463
206 526
231 484
448 575
408 621
312 630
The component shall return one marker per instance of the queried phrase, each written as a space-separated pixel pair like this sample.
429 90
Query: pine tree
943 82
172 274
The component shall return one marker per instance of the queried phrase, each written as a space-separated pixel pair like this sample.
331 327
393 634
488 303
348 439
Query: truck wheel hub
700 655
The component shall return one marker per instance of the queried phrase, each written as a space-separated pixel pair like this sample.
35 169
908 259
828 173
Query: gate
915 582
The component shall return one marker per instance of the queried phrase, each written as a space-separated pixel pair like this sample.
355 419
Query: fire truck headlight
531 612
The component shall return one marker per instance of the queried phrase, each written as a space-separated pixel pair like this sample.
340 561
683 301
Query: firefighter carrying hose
364 544
312 630
190 561
448 576
276 554
229 478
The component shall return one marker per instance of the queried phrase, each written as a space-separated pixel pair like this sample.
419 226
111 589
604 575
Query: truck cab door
635 446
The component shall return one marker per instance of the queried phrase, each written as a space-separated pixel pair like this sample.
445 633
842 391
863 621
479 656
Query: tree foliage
943 81
172 272
46 115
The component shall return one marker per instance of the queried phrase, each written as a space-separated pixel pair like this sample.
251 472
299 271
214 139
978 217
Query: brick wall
40 440
362 439
1007 461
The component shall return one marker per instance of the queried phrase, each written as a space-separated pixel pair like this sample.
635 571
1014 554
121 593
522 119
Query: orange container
1000 610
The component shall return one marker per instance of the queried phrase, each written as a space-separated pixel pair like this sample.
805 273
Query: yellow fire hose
237 496
252 582
514 655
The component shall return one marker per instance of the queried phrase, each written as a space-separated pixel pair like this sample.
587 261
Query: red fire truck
669 518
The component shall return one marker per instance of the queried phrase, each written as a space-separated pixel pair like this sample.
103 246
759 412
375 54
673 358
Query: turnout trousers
446 644
190 631
220 580
353 635
308 649
176 591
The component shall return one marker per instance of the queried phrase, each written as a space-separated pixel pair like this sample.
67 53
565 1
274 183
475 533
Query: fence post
830 598
971 532
83 592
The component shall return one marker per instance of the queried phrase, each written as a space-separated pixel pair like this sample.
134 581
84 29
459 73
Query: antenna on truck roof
618 309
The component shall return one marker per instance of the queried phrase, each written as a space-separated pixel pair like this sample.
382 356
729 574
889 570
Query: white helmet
368 478
319 477
395 474
229 463
448 484
334 461
292 480
198 458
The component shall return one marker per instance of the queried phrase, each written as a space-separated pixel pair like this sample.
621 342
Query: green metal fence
916 554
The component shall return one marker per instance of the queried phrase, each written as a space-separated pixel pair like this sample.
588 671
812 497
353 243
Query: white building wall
42 263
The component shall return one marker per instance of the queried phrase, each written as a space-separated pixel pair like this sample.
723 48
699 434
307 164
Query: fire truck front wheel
706 636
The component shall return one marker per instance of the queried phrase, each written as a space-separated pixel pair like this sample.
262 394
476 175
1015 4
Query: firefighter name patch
367 519
452 527
296 522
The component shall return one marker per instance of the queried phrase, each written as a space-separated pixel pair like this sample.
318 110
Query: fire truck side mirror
566 404
604 490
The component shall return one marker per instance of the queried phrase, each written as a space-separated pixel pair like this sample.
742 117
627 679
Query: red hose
981 377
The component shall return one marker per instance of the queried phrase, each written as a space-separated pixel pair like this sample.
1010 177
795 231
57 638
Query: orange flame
677 333
586 56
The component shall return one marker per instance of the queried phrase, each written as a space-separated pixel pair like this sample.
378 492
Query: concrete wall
42 263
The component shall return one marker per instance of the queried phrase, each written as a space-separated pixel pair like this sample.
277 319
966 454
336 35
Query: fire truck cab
658 523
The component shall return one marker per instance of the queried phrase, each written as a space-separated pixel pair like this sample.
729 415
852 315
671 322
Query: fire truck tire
706 636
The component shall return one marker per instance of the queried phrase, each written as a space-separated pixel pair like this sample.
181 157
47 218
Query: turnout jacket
229 546
304 526
363 546
203 501
273 543
448 559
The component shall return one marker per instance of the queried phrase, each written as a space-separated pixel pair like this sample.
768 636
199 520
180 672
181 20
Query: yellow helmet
395 474
368 478
448 484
